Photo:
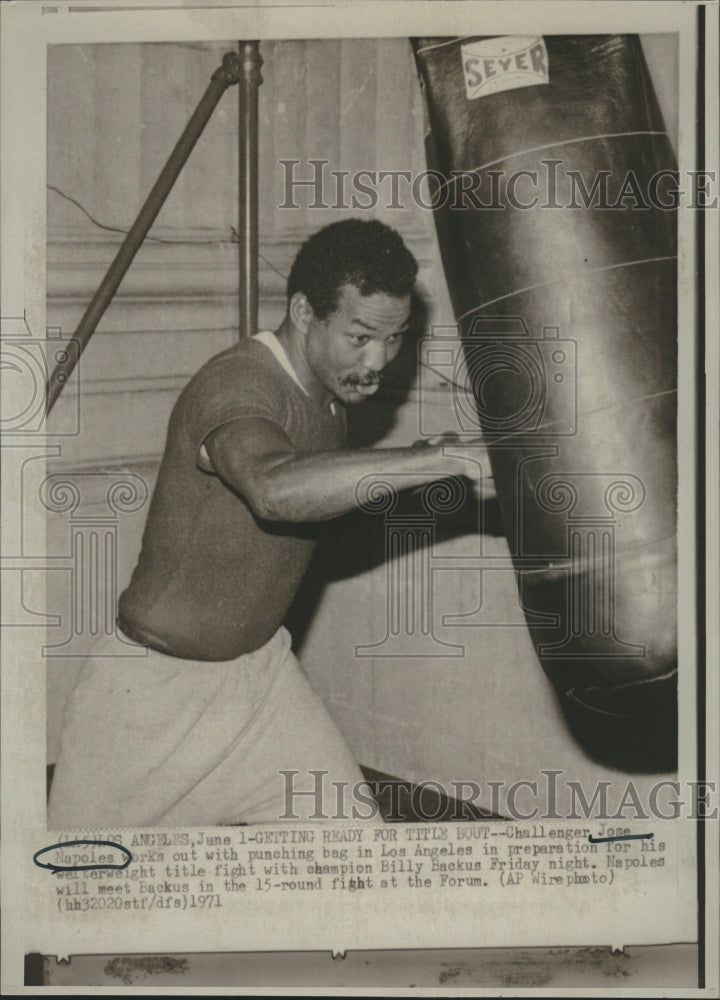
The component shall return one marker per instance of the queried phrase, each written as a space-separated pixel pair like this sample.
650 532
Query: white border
26 33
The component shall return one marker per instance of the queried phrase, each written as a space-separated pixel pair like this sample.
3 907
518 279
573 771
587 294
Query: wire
119 229
234 237
100 225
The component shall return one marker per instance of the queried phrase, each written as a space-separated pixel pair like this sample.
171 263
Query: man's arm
256 459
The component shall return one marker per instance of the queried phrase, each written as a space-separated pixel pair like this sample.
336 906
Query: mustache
374 378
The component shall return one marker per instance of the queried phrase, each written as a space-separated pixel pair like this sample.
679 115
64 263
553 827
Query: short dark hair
369 255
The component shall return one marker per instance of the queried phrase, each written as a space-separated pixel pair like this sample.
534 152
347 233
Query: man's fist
463 456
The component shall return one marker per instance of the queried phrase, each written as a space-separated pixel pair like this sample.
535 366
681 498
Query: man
199 732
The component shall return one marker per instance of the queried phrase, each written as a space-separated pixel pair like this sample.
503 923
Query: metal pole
248 186
224 76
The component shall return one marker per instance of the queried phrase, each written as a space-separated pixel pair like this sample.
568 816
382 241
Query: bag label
496 64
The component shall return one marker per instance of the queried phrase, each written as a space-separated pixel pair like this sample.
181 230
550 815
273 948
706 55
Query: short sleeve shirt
213 581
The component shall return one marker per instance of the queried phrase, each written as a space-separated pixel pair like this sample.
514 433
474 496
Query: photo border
24 87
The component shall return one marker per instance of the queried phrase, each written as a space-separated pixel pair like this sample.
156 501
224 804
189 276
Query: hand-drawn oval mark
86 864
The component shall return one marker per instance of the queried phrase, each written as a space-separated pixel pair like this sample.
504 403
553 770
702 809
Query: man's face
347 351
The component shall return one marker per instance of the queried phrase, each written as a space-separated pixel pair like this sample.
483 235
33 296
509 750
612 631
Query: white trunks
161 741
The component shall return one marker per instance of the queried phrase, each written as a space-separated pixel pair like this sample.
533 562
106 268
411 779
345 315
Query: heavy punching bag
549 166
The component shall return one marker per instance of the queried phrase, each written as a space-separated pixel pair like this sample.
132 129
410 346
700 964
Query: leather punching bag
558 240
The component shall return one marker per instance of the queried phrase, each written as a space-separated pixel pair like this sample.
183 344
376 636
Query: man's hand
462 456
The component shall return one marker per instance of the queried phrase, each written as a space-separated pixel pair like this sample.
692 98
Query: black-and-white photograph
512 445
357 465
